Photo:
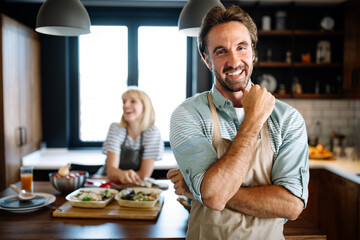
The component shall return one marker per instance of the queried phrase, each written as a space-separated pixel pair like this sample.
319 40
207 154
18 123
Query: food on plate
319 152
90 195
130 194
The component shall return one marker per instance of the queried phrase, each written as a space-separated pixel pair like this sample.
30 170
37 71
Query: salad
130 194
90 195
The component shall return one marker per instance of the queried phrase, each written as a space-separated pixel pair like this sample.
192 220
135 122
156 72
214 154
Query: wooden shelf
301 64
300 32
314 95
307 96
318 33
273 64
297 64
275 32
277 95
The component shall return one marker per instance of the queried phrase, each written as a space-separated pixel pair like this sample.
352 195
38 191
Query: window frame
132 18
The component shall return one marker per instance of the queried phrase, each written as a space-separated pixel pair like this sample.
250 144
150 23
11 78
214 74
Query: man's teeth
235 73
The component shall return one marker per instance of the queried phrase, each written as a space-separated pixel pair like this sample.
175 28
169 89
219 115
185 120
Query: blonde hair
148 117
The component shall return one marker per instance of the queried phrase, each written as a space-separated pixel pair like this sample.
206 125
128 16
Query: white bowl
90 204
139 204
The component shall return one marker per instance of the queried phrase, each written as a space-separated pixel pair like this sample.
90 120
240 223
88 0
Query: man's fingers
171 173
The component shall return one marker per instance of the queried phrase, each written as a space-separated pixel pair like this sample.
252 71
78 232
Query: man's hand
258 104
179 183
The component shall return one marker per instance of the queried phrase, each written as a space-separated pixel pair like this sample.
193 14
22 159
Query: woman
133 146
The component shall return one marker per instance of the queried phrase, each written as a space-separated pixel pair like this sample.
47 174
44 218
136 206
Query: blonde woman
133 146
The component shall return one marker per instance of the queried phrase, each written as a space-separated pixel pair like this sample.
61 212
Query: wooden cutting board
112 211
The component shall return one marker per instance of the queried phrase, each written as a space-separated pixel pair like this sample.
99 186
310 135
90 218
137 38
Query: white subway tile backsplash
342 104
316 114
321 105
339 122
347 113
337 114
330 113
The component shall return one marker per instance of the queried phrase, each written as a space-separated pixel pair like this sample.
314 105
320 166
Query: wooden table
171 223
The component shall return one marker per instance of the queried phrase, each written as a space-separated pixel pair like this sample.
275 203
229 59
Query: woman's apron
129 158
227 224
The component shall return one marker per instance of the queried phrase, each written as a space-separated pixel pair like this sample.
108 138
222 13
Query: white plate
327 23
50 199
268 81
90 204
139 204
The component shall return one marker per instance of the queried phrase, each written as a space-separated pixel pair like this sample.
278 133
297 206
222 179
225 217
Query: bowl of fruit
66 181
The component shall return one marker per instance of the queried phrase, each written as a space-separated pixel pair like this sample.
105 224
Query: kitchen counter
342 167
53 159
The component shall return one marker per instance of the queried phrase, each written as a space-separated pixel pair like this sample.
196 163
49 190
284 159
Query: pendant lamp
63 18
192 14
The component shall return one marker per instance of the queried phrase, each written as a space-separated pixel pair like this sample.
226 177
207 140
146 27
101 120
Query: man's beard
230 85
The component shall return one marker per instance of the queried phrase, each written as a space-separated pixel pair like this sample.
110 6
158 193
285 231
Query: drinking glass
26 178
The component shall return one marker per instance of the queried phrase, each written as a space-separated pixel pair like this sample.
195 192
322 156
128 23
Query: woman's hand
179 183
129 176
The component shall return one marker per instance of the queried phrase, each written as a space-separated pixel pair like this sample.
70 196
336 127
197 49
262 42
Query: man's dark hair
219 15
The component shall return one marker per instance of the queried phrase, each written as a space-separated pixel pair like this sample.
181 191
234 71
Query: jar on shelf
288 57
280 20
296 86
266 23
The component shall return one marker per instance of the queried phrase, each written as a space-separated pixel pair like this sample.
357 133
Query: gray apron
129 158
227 224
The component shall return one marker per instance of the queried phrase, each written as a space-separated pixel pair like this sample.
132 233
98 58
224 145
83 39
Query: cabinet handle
23 136
20 136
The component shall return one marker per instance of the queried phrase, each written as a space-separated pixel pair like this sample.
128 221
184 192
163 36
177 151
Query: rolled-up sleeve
291 161
193 151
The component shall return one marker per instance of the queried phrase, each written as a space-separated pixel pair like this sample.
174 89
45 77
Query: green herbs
86 198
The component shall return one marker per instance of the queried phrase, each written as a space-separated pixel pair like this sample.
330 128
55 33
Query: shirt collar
219 100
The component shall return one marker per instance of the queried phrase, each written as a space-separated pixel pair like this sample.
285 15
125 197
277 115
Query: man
243 155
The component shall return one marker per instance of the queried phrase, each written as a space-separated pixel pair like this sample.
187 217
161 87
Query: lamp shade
63 18
192 15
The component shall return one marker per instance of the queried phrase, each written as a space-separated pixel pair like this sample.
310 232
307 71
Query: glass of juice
26 178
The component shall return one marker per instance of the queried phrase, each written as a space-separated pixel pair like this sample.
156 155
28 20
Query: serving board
112 211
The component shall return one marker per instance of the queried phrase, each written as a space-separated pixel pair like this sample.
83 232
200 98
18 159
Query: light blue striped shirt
152 142
191 129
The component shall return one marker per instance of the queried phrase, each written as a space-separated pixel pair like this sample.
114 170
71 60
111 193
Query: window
106 67
162 71
103 76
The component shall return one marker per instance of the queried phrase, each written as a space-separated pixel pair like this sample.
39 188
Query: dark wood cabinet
280 52
351 82
20 106
333 205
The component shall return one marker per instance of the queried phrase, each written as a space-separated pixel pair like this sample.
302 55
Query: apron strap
220 144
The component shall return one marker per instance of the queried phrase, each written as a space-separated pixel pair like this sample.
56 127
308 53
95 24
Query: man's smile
235 73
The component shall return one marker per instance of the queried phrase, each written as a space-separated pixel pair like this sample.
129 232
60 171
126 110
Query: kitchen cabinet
20 108
351 83
333 205
291 54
